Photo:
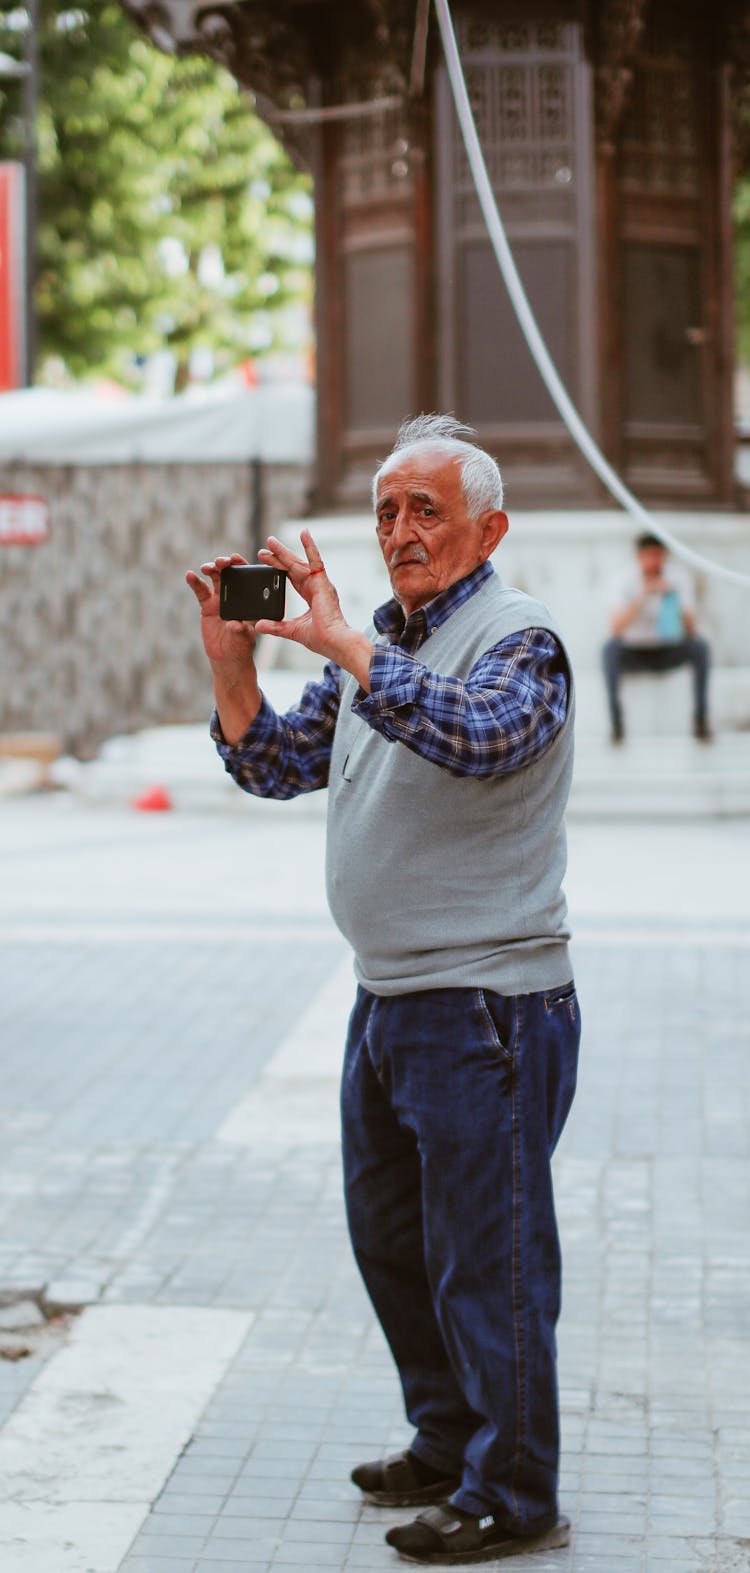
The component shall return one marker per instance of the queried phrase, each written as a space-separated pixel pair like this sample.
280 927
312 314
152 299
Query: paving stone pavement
153 969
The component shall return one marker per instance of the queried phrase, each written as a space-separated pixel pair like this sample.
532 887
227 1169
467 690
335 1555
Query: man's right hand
225 643
230 647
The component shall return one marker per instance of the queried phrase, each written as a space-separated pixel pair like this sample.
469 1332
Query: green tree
169 216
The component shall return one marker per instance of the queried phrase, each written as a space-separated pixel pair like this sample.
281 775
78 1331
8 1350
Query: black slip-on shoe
445 1534
402 1481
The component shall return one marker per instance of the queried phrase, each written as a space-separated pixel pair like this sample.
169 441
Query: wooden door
370 296
673 303
529 86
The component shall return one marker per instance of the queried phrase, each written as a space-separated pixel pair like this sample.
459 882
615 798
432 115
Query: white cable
537 346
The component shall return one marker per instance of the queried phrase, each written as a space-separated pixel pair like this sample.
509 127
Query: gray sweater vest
443 881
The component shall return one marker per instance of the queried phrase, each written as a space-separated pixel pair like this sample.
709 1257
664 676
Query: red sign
12 283
24 520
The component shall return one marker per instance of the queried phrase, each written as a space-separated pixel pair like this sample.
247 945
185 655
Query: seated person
653 628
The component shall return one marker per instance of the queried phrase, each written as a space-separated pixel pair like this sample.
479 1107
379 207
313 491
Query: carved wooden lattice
476 34
375 164
520 84
659 135
619 24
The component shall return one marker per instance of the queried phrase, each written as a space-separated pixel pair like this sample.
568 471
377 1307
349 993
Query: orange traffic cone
153 801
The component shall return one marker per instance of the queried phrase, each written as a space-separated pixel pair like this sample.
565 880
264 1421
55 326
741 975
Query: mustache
414 554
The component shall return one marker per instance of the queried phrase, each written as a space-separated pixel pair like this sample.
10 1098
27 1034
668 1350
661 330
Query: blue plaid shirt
503 717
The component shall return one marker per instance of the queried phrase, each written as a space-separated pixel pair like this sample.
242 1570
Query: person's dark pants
620 658
452 1103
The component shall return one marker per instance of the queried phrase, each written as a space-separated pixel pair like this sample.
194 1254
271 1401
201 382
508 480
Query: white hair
481 480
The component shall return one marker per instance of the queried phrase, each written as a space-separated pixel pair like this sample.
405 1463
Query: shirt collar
389 619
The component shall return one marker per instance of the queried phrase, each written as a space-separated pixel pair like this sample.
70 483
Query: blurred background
239 243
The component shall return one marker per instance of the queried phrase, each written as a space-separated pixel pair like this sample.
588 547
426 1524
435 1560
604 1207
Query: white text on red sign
24 520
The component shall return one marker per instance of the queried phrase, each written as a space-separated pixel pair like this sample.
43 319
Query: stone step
662 705
645 777
662 778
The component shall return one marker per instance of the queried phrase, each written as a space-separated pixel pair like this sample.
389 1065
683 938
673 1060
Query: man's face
425 534
652 560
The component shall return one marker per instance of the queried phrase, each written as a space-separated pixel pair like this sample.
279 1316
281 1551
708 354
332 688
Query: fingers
291 628
271 559
201 591
265 626
276 555
222 562
212 571
311 551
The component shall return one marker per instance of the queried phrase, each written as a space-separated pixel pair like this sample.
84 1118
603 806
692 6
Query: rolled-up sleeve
503 717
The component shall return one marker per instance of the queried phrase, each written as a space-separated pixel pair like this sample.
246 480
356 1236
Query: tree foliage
168 215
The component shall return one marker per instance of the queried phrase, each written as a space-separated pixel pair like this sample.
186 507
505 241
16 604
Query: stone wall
98 630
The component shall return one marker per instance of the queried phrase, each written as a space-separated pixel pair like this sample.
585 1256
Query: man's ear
494 527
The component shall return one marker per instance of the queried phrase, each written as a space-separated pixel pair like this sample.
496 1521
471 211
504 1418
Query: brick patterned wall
98 631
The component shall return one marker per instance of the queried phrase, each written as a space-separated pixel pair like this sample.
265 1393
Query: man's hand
323 627
230 647
651 586
654 584
225 643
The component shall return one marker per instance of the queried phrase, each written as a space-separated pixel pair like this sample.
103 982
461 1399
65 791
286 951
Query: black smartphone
248 592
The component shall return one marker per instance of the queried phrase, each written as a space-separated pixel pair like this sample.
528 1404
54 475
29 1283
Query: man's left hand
323 627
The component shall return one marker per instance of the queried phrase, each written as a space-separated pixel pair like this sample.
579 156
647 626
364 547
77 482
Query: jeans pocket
562 998
495 1032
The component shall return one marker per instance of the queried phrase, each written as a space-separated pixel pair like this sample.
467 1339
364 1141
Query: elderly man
444 736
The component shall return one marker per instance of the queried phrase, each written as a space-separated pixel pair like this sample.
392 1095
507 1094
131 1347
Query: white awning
274 423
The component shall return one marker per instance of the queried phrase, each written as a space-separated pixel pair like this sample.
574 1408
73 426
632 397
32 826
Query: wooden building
607 126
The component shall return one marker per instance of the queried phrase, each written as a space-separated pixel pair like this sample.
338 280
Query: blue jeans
452 1103
619 658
